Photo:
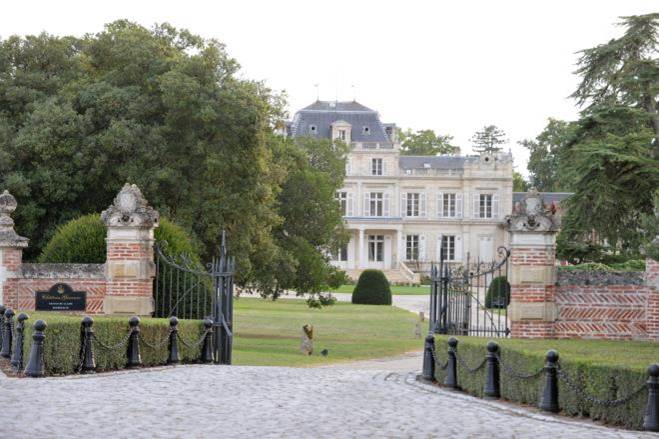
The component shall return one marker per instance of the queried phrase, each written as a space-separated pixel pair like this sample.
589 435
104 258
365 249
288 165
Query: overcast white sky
449 66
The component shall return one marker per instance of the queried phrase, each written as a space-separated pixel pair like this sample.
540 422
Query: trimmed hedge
594 374
498 293
372 289
63 337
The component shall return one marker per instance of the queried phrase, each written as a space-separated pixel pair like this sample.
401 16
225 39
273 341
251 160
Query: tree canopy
426 142
164 109
488 139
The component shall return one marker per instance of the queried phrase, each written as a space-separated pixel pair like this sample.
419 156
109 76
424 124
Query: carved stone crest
8 236
531 214
130 209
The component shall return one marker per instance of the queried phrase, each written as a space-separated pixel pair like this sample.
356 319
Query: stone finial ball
9 313
653 370
22 317
87 321
552 356
453 342
134 321
173 321
492 347
39 325
7 202
208 323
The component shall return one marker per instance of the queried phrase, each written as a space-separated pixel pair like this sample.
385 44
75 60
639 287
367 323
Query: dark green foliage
372 289
83 241
528 356
488 139
426 142
63 337
498 293
630 265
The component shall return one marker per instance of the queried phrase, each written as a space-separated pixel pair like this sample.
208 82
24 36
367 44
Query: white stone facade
399 209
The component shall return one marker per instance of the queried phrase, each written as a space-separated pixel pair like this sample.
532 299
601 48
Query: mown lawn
629 354
402 290
269 333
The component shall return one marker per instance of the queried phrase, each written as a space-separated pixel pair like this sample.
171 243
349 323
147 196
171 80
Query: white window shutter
475 213
458 248
386 208
367 210
403 248
495 206
422 247
439 247
422 205
351 204
458 205
403 204
440 205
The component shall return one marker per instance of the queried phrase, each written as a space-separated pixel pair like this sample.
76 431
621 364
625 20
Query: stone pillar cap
130 209
8 236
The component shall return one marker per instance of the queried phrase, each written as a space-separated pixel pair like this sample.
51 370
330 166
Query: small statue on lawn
306 345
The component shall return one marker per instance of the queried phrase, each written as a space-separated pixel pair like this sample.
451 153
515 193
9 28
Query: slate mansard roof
322 114
433 162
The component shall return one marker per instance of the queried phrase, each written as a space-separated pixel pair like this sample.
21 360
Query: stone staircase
395 275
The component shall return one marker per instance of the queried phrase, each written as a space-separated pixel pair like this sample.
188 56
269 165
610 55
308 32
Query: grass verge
396 290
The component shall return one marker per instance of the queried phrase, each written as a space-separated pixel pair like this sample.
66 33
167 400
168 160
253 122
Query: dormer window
312 129
367 130
342 135
426 165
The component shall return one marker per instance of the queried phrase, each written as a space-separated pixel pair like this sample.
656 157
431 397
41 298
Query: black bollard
174 357
17 353
8 335
207 348
549 401
35 366
2 322
651 419
492 383
87 346
429 359
134 357
451 380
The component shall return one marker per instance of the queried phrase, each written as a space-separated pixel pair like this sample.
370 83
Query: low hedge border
63 339
594 379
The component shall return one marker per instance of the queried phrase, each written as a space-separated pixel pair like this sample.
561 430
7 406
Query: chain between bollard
510 372
157 345
464 364
115 347
195 343
436 360
581 393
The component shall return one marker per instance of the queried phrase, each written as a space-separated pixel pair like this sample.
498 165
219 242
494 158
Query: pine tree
488 139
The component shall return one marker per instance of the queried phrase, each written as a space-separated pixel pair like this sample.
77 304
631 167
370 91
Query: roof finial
317 92
354 95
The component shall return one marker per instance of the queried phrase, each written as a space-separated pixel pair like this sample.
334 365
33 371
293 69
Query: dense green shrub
372 289
82 240
63 337
630 265
498 293
592 363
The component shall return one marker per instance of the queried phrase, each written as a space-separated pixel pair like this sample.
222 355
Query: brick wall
607 305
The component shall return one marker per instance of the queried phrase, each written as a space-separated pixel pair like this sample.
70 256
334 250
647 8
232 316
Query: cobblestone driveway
244 401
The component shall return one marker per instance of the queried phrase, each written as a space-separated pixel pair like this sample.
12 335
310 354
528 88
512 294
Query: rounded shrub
372 289
498 293
82 241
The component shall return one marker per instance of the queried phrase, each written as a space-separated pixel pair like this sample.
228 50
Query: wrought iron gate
468 300
184 288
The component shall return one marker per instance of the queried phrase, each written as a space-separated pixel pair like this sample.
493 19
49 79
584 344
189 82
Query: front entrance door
376 254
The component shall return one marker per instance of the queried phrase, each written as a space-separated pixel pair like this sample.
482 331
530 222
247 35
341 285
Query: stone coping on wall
598 277
63 271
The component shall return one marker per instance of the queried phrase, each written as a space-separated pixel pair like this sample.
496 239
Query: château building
401 210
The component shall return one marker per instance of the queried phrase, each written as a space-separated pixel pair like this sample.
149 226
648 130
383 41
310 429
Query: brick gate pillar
652 280
129 268
11 251
533 227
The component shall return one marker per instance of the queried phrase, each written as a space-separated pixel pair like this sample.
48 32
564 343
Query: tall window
376 167
376 248
342 135
448 247
376 204
342 198
342 254
485 206
412 248
448 202
412 208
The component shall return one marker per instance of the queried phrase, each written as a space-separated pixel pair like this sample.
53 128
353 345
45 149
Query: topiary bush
372 289
82 241
498 293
